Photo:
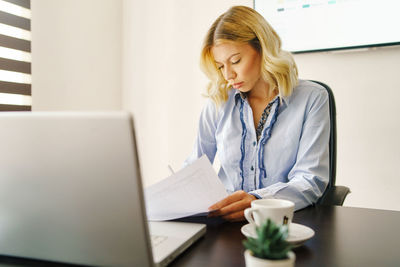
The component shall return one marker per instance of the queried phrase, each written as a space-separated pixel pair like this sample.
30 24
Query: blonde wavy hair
243 24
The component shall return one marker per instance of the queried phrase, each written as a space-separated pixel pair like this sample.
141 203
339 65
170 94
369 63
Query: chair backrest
332 139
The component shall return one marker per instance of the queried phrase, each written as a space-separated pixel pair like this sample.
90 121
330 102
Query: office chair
334 194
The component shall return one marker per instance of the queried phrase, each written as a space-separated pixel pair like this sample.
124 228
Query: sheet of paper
187 192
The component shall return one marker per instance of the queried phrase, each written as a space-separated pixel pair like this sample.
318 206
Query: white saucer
298 233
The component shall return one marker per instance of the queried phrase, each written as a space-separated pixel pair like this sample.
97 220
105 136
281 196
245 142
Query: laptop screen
70 189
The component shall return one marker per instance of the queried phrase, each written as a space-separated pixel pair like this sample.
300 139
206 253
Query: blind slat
15 21
15 43
14 108
15 88
14 65
23 3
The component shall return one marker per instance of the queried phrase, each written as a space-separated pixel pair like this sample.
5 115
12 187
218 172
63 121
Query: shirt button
254 143
252 168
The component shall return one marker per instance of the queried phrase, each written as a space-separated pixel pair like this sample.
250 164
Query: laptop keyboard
157 240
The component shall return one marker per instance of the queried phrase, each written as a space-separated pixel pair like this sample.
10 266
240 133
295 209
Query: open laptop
71 191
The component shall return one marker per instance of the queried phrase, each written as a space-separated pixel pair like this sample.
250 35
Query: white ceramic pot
252 261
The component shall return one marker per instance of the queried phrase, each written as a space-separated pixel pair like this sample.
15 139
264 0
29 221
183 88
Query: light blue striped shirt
291 159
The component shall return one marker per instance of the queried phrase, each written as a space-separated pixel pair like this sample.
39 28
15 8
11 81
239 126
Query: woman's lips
237 85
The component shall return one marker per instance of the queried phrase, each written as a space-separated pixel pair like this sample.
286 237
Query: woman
269 130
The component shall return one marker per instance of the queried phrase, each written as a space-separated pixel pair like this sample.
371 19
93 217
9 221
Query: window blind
15 55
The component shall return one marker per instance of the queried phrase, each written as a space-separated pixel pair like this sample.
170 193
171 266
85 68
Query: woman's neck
262 92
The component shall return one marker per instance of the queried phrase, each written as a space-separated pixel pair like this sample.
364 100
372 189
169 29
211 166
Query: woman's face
240 65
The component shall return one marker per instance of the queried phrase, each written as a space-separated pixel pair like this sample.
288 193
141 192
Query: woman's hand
232 207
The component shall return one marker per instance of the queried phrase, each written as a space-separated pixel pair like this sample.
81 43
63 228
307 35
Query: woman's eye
220 67
236 62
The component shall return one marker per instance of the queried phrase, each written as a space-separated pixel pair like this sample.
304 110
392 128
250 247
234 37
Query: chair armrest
335 195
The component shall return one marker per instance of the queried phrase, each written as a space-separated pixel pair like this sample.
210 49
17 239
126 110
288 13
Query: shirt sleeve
205 141
309 176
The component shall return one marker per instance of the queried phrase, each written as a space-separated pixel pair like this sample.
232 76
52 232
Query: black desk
343 237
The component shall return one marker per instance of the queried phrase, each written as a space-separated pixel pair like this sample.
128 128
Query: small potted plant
270 248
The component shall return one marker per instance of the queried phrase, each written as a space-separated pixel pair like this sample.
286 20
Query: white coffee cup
279 211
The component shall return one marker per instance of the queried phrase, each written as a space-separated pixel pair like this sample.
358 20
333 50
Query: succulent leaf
270 242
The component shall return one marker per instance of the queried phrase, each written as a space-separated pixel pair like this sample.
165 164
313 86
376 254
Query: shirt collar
239 95
285 99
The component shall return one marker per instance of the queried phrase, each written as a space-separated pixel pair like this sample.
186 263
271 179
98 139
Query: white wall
76 54
162 84
367 92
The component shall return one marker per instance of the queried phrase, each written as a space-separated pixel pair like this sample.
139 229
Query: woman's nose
230 74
